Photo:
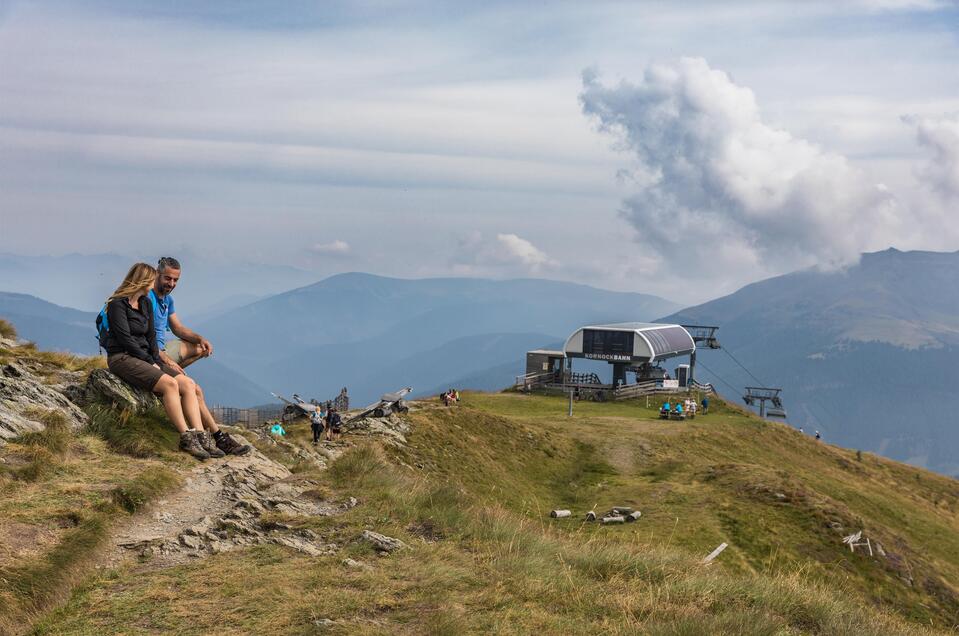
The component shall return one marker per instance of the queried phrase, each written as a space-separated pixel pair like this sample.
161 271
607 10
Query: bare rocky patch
223 505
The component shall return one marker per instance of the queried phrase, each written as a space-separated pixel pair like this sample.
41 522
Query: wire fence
247 418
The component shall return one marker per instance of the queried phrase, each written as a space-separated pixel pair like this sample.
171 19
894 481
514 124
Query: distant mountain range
85 280
867 355
370 333
50 326
374 334
64 329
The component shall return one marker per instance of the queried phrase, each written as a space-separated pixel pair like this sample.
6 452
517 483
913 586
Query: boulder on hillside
25 398
102 387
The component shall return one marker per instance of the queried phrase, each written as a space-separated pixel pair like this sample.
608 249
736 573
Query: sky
677 148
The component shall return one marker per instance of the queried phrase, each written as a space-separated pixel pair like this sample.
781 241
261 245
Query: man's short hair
167 262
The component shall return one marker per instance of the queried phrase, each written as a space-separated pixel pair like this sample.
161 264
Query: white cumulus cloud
337 247
720 190
509 254
516 249
940 137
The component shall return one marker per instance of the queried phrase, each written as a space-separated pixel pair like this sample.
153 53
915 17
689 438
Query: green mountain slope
469 489
866 355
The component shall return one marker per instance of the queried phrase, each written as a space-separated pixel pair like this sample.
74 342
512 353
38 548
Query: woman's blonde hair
140 278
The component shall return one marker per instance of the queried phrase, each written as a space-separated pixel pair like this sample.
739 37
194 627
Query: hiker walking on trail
316 425
128 335
186 348
705 405
333 422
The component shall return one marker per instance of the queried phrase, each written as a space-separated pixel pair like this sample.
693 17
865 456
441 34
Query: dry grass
67 490
470 496
7 330
484 557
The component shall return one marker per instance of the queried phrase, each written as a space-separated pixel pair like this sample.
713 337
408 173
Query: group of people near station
325 420
132 329
687 408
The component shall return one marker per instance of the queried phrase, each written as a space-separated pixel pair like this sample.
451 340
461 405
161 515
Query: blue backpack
103 325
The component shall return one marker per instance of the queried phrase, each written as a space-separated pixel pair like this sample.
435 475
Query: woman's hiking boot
207 443
229 445
190 444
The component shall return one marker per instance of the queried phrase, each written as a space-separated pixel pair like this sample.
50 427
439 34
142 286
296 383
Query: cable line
761 383
718 377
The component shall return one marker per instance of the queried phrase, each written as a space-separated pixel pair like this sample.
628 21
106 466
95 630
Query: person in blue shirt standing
186 348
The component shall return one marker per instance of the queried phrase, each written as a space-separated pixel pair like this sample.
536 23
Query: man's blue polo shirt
162 308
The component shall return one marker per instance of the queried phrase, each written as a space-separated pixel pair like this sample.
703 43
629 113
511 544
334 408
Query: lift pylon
703 335
763 394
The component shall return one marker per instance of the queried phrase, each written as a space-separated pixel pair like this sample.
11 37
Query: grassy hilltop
470 494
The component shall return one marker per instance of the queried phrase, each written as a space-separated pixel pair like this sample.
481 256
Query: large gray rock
25 397
102 387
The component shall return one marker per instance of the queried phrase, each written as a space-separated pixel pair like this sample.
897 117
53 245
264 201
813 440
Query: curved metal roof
651 342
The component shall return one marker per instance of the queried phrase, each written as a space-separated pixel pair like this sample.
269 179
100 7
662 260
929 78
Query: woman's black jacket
131 330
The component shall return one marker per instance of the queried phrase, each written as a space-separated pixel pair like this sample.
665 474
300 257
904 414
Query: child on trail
277 430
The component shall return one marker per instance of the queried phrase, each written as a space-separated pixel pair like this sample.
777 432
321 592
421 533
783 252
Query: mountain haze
374 334
50 326
206 285
867 354
58 328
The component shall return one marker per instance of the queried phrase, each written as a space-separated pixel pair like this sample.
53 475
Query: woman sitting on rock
132 355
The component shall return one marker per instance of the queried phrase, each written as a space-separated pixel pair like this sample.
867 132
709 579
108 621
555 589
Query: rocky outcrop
392 427
25 399
102 387
226 504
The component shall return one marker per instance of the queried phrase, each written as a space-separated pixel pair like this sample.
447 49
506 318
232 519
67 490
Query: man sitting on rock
186 348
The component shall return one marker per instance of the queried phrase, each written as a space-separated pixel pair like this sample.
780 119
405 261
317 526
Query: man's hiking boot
230 446
190 444
207 443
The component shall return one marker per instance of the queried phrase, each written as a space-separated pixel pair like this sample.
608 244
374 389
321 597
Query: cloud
902 5
939 136
337 248
721 191
515 249
509 254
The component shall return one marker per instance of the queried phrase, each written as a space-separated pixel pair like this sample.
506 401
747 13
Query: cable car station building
630 347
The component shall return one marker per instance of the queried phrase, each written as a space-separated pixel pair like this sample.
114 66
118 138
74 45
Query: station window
608 342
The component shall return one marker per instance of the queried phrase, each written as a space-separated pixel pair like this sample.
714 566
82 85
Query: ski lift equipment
761 394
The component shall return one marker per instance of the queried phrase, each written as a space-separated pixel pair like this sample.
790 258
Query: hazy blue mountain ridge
58 328
50 326
865 354
347 329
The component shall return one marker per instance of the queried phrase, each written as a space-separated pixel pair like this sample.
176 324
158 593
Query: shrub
7 330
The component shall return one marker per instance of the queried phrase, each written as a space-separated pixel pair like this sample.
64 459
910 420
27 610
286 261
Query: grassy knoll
60 493
470 494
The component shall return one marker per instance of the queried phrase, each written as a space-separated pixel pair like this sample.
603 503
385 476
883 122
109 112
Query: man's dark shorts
136 372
